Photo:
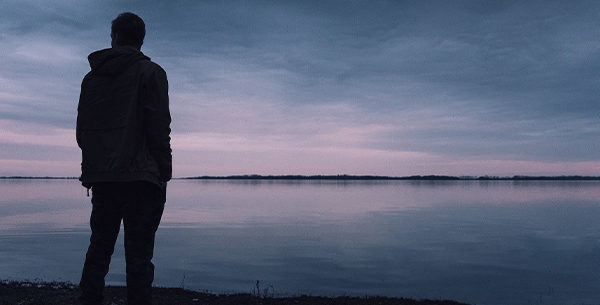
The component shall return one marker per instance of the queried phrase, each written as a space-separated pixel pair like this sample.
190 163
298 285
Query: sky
322 87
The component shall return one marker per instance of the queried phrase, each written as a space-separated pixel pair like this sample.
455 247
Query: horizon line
349 177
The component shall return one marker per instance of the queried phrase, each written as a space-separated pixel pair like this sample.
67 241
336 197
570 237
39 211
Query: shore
60 293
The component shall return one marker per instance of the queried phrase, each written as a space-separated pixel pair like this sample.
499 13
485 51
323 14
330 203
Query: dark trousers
140 205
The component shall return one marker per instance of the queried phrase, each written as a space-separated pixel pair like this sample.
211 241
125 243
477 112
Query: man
123 132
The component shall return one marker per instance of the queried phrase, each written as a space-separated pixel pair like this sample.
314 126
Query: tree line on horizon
375 177
351 177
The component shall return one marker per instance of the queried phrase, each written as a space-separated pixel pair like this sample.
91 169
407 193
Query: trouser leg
105 221
141 219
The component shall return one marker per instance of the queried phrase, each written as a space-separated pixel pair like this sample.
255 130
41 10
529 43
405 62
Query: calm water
480 242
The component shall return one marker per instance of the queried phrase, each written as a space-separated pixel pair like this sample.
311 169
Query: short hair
130 29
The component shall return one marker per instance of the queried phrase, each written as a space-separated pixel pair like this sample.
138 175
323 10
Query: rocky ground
55 293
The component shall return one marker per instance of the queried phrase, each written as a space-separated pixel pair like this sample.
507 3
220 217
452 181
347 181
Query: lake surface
482 242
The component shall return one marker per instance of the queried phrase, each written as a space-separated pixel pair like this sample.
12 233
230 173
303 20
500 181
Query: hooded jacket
123 119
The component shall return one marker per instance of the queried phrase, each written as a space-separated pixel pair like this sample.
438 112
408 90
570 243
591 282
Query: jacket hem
87 180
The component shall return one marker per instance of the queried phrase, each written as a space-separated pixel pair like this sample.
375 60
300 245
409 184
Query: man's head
128 29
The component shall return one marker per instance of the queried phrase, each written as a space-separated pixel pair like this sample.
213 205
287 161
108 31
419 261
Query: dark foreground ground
37 293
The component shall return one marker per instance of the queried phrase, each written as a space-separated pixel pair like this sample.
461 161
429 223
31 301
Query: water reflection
484 242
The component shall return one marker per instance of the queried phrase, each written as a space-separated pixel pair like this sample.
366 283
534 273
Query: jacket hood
113 61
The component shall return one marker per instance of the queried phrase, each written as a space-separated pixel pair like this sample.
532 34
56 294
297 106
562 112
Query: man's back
123 119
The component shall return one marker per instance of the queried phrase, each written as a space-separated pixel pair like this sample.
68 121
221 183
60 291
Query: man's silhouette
123 132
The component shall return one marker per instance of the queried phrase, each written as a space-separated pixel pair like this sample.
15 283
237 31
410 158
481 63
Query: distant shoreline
371 177
359 177
35 177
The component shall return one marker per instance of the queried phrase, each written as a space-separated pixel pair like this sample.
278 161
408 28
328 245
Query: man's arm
158 120
77 126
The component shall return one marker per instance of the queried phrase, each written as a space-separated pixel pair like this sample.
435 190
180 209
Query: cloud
39 134
353 87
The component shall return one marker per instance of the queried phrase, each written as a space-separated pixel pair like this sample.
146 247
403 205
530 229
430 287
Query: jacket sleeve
158 120
78 134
